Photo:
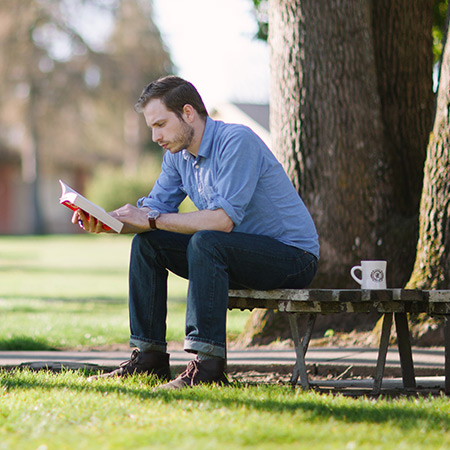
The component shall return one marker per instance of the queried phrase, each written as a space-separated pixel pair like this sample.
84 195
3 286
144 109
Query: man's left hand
134 219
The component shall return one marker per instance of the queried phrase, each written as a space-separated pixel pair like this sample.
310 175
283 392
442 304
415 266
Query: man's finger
98 226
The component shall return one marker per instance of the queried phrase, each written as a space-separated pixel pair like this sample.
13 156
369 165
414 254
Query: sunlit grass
64 411
72 292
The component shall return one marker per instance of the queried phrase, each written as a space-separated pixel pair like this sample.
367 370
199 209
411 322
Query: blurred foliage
69 92
439 23
70 74
261 9
111 188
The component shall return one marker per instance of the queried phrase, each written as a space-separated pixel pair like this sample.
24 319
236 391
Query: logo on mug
377 275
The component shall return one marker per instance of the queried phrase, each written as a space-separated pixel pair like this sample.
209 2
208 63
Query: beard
183 139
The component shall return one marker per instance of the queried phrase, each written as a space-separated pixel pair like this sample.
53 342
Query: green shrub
111 188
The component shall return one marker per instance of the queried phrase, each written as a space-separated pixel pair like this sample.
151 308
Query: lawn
61 292
63 411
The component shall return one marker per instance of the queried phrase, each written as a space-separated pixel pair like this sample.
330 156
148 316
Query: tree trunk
351 105
432 266
32 176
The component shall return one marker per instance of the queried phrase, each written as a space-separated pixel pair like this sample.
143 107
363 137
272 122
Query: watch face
153 214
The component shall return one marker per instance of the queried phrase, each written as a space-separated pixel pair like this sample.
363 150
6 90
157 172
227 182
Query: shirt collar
205 146
207 139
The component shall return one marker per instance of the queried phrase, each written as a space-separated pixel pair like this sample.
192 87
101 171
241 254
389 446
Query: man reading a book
251 231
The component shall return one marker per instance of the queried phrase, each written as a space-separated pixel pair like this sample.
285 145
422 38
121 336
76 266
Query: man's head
174 93
175 113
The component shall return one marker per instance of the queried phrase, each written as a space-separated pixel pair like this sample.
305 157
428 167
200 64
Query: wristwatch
152 216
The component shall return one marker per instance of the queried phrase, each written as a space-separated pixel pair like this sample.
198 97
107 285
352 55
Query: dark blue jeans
213 261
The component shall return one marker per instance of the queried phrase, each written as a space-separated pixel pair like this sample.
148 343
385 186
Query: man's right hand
134 220
91 225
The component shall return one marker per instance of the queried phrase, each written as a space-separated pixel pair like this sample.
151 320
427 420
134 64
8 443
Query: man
251 231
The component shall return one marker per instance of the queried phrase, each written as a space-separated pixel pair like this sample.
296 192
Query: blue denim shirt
235 170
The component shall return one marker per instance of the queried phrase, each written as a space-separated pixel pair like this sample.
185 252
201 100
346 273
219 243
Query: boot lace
191 371
133 359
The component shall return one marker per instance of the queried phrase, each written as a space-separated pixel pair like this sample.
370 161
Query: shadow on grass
404 413
119 300
64 270
21 343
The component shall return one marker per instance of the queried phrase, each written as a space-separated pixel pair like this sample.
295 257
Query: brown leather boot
156 363
199 372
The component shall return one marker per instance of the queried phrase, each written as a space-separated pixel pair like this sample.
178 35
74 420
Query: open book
73 200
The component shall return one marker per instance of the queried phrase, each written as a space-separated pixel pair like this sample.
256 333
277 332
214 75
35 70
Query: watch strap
152 216
152 223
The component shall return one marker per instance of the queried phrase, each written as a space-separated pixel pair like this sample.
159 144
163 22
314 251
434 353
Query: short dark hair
175 93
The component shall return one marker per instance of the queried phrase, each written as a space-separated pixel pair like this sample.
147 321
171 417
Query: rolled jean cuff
195 346
148 346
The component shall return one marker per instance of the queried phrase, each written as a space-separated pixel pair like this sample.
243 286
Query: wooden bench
394 304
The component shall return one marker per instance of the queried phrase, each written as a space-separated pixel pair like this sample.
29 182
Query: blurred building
255 116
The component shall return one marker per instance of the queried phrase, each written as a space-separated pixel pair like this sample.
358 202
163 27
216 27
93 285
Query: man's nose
156 135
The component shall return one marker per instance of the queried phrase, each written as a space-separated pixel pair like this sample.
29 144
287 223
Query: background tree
64 98
351 110
133 56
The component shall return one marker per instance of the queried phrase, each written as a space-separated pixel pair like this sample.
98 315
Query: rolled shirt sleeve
167 193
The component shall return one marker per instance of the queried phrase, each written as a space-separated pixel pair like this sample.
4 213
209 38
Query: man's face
168 130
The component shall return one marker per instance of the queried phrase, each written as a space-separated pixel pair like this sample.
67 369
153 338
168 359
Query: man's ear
189 113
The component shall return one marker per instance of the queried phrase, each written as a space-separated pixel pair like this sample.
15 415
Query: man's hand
134 220
91 224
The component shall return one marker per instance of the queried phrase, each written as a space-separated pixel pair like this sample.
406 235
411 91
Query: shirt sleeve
238 171
167 193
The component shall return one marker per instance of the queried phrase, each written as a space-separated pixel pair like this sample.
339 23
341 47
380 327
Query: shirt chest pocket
199 186
202 196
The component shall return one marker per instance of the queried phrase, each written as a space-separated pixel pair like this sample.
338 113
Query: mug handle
352 273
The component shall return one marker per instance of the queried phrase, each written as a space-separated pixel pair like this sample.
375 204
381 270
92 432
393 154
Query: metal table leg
382 352
301 346
404 348
447 354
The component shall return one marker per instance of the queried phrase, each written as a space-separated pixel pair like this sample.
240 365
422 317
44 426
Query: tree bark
432 265
351 108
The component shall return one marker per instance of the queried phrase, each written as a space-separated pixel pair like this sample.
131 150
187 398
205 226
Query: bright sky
212 44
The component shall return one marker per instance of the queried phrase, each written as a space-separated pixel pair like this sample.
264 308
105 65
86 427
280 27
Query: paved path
425 359
429 365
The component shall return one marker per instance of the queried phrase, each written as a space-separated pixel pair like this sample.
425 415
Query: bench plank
328 301
339 295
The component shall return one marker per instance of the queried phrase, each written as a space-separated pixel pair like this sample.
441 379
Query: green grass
71 292
59 292
63 411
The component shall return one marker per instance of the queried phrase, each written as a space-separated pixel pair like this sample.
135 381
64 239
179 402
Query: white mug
373 274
